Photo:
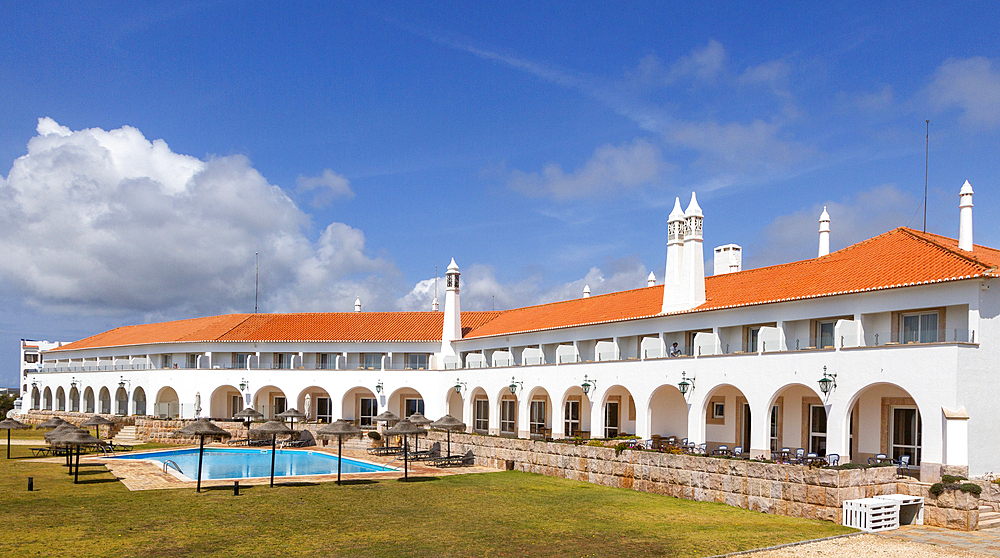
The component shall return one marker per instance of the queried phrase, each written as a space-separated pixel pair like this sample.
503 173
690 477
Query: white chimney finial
357 304
586 291
965 218
824 233
651 280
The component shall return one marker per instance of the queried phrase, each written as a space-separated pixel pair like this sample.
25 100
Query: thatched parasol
404 428
418 419
292 415
54 438
77 438
201 428
340 428
448 423
8 425
274 427
52 423
97 421
249 415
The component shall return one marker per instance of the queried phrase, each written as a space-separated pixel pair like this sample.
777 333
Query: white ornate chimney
965 218
586 291
824 233
357 304
672 292
452 328
651 280
694 254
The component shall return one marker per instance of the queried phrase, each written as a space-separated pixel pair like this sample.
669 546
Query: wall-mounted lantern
459 384
828 383
514 385
587 384
686 384
378 387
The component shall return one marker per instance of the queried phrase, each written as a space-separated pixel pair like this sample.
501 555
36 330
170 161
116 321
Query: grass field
496 514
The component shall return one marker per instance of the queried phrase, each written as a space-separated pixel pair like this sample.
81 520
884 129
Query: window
31 358
774 428
719 410
416 362
324 409
508 416
369 410
240 360
536 417
168 361
372 361
817 429
906 433
192 360
611 419
572 418
279 405
281 361
236 404
326 361
920 328
411 406
482 416
753 333
824 334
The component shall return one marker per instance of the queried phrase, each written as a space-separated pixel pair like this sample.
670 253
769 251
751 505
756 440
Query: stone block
828 478
815 495
756 470
935 516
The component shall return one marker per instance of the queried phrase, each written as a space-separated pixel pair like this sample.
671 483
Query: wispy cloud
970 85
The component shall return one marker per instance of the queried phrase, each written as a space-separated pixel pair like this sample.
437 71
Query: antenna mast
927 157
256 280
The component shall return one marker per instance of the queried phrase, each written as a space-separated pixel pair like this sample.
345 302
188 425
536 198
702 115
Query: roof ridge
568 300
918 235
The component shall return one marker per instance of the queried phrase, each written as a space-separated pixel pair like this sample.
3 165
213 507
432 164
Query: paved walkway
986 541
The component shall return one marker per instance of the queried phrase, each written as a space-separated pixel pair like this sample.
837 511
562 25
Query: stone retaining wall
38 417
791 490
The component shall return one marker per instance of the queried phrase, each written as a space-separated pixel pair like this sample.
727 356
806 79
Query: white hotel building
905 326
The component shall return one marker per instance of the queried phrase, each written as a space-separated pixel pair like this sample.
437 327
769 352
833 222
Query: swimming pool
244 463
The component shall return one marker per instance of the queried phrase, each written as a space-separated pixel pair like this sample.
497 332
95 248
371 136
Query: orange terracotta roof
341 326
899 258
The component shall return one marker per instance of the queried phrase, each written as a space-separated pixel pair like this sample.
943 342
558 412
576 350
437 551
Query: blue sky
147 151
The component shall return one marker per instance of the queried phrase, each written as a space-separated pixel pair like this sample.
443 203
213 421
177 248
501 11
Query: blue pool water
243 463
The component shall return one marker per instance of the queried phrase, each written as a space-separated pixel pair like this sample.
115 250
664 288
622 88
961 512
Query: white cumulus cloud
328 186
610 170
107 221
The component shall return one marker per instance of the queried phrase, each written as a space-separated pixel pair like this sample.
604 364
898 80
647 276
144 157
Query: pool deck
141 475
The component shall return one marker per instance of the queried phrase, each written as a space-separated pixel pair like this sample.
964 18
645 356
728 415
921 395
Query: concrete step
127 436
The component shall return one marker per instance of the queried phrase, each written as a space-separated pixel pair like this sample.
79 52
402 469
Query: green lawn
497 514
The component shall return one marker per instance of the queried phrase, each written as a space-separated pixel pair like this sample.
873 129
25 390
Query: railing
171 463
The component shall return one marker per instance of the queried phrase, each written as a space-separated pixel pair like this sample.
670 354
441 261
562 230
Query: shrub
971 488
937 488
374 435
948 479
596 443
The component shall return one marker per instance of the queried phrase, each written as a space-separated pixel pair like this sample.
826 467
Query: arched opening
405 401
225 402
74 400
88 400
270 401
668 413
455 404
479 406
618 412
315 402
47 399
60 399
105 400
884 418
139 402
36 399
797 419
539 414
727 418
506 409
360 406
121 400
167 404
575 413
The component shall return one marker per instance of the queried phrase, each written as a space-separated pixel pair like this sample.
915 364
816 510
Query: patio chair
738 453
800 455
722 449
904 466
833 459
702 448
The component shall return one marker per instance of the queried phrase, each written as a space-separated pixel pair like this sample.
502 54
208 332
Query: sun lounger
41 452
386 450
455 460
425 455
